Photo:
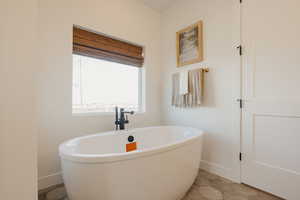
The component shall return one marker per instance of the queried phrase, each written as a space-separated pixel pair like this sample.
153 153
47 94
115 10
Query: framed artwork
190 45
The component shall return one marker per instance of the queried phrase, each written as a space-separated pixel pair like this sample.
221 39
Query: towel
175 89
183 82
194 94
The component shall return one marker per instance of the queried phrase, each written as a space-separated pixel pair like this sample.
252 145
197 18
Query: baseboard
219 170
50 180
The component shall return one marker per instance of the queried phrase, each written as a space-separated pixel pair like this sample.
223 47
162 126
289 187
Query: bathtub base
164 176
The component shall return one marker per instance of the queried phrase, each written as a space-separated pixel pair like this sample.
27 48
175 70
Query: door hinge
240 156
240 48
241 103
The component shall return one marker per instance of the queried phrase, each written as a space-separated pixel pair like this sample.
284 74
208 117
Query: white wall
219 115
18 166
129 20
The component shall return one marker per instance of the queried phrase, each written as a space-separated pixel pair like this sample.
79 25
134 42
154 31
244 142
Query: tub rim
115 157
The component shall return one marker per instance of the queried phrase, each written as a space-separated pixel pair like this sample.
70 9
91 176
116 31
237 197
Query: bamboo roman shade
94 45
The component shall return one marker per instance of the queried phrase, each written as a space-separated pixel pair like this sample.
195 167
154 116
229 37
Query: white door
271 90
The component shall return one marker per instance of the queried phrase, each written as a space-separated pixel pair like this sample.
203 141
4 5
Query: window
106 73
99 85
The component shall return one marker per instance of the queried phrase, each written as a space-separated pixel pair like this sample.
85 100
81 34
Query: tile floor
206 187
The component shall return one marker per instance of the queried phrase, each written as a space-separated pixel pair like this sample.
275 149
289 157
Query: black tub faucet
123 119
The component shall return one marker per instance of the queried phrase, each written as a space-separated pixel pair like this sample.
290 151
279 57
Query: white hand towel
175 90
183 83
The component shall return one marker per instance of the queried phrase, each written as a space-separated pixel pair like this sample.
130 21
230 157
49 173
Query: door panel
272 141
271 89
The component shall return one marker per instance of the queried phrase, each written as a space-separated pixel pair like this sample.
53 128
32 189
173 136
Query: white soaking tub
164 166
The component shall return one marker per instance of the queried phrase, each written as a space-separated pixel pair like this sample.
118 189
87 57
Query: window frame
141 96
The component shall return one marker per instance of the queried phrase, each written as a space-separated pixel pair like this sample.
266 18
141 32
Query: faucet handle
129 112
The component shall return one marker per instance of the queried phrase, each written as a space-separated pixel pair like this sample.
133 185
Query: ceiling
159 5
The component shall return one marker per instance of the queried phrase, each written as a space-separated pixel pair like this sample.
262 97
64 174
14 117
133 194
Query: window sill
93 114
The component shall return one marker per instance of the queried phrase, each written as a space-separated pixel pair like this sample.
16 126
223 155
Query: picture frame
189 44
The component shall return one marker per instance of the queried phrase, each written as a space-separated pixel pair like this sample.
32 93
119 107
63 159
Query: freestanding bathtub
164 166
